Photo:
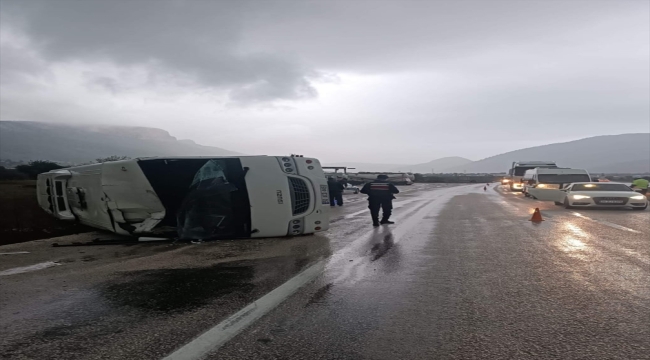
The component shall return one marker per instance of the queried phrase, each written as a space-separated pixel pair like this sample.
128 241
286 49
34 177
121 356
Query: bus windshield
521 170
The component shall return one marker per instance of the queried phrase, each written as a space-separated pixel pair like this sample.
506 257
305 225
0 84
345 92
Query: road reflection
569 242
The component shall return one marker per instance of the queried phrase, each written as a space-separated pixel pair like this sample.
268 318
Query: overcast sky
372 81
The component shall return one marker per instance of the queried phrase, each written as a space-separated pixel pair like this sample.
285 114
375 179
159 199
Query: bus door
53 195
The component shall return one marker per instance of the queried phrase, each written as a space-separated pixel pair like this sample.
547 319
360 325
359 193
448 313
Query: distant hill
73 144
627 153
438 165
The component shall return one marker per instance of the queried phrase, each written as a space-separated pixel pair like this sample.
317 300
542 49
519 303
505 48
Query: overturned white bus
192 197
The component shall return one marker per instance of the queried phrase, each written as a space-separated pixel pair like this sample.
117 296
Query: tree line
35 167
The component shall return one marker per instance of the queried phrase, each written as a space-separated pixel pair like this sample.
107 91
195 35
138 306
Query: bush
11 174
33 168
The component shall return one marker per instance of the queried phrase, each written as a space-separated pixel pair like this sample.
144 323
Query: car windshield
562 178
600 187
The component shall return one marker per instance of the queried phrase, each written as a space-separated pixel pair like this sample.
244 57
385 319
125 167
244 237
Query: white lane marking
24 269
606 223
15 253
227 329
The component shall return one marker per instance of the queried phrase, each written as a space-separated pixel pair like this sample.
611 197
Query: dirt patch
21 219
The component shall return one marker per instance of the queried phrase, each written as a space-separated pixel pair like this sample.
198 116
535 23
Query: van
539 181
192 197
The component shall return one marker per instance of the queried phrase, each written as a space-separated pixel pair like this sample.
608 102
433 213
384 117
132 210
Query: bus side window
60 200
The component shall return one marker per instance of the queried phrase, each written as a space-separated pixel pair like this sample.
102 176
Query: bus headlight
296 227
580 197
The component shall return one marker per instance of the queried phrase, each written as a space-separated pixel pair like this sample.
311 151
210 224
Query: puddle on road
381 248
178 289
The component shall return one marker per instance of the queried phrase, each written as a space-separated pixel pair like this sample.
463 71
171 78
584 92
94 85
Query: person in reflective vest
380 195
640 183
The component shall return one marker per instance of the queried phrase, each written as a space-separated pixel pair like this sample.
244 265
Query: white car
351 189
605 195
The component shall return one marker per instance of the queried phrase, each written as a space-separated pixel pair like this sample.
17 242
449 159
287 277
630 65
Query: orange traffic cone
537 216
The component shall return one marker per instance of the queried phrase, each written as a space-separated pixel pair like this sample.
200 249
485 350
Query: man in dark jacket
380 195
336 191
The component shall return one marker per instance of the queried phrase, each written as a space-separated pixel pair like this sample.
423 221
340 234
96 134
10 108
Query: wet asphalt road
463 274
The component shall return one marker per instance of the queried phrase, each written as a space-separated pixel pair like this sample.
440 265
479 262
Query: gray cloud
403 78
197 39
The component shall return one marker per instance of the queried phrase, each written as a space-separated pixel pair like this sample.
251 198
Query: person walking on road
380 195
336 192
641 183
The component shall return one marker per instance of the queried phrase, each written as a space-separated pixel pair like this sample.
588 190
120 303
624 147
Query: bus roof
524 163
557 171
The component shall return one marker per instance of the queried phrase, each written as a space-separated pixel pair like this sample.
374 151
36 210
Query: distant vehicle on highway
539 179
601 195
351 189
519 168
192 197
393 178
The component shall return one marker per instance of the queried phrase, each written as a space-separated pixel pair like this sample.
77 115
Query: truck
519 168
192 197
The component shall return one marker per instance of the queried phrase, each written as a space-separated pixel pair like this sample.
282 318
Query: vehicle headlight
580 197
541 185
637 197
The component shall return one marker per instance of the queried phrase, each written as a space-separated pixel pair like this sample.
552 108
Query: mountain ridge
436 165
602 153
74 144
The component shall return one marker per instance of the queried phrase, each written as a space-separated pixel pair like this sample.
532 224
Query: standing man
336 191
380 195
641 183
